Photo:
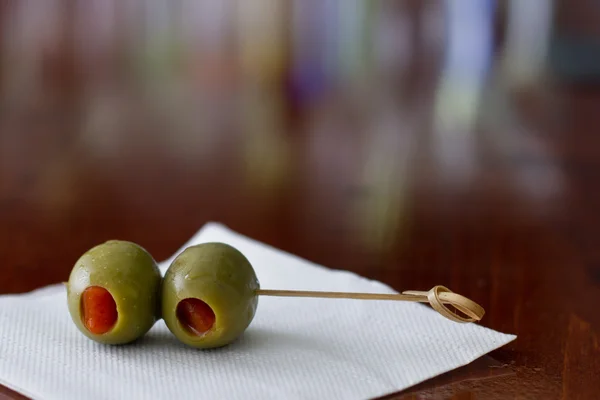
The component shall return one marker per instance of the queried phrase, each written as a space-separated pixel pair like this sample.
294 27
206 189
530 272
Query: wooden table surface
400 179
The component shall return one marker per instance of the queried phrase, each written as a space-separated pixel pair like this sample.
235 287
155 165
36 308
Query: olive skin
131 276
220 276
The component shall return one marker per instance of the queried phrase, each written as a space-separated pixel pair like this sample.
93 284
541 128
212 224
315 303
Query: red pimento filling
99 310
195 315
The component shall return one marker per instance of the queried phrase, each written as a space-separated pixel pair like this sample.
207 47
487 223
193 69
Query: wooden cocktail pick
438 297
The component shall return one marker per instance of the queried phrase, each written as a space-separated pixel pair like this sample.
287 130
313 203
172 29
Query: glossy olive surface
131 276
220 276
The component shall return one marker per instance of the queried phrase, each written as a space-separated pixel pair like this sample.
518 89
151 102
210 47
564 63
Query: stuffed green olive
113 292
209 295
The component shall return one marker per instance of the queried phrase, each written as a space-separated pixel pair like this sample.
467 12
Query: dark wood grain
502 208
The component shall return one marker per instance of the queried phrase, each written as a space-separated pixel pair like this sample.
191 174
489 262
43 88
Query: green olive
113 292
209 295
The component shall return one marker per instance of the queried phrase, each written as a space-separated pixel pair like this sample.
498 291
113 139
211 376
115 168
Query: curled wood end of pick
439 297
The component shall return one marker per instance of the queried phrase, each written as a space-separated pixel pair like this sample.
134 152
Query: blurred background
416 142
391 137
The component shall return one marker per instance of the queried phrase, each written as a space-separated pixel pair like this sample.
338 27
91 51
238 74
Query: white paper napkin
294 348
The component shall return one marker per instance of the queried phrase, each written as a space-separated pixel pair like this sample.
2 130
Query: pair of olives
207 298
